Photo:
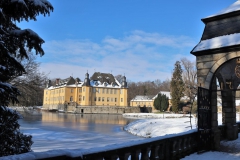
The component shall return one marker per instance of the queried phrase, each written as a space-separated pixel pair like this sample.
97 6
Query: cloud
139 55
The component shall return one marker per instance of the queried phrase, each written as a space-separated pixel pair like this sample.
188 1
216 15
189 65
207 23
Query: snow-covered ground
154 125
157 126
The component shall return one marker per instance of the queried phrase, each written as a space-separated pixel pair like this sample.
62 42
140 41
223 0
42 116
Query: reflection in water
84 122
73 131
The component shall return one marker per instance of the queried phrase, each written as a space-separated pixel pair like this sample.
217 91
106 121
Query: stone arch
226 57
208 70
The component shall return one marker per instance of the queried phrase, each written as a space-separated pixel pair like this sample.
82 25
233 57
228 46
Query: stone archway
215 55
207 65
228 78
223 79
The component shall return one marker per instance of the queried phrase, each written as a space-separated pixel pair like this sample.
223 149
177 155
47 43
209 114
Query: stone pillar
229 114
216 133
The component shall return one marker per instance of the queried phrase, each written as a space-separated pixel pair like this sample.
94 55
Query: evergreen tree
161 102
14 44
177 86
164 102
157 102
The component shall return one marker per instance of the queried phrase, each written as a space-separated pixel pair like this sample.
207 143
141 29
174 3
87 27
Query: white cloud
139 55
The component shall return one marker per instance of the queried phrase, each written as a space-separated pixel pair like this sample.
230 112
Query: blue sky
139 38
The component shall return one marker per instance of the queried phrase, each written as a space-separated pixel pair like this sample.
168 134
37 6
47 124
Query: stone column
229 113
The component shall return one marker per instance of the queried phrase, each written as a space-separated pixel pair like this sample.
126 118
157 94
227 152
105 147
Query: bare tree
189 78
31 83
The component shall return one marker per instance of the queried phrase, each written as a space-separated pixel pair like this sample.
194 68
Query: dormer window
96 83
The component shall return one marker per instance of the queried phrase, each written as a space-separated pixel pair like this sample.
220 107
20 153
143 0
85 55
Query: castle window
94 90
115 91
111 99
83 89
103 90
121 99
71 98
107 91
71 90
83 98
110 91
103 99
107 99
95 98
80 90
120 91
115 99
99 99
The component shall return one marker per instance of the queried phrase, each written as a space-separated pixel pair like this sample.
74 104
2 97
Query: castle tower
123 93
86 91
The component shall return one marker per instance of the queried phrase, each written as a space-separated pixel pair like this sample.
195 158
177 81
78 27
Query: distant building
102 89
147 101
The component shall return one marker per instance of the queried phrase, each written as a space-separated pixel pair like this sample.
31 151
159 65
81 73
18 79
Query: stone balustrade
171 148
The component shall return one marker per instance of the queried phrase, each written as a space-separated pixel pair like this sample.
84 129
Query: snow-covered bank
159 127
154 115
153 125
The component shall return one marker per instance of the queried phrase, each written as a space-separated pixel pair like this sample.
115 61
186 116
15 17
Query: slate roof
104 77
221 31
143 98
98 80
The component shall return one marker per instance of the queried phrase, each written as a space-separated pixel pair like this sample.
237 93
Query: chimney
57 81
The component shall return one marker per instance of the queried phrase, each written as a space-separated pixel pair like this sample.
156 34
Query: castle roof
143 98
97 80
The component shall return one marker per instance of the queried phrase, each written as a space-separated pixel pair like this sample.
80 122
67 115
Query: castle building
102 89
147 101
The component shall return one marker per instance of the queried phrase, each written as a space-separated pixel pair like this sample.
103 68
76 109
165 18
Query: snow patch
218 42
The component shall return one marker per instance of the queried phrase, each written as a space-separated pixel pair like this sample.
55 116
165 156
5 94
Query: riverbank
96 109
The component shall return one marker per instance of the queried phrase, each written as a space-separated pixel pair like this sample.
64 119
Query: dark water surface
72 131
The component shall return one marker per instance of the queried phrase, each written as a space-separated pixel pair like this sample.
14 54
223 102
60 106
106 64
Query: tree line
183 83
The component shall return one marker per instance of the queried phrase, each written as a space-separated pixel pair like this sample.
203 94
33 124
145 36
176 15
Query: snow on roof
165 93
143 98
150 97
234 7
95 83
218 42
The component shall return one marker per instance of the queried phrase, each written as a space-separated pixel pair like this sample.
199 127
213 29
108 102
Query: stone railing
223 130
172 147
